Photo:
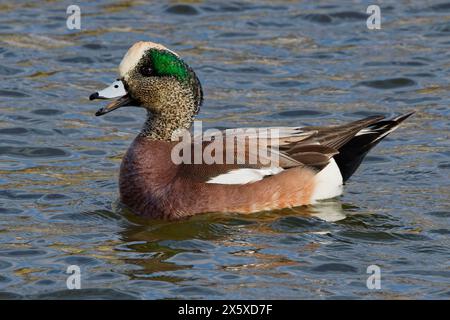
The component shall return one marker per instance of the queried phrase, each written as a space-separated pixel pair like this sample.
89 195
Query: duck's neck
161 126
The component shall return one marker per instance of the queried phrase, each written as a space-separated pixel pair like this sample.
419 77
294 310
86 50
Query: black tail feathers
353 152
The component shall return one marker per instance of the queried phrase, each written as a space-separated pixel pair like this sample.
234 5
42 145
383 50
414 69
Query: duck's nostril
94 96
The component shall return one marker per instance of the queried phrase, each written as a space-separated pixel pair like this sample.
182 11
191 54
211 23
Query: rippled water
261 63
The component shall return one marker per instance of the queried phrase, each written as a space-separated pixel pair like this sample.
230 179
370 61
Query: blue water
261 64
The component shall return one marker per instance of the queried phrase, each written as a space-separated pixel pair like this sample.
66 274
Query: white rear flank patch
328 182
134 54
243 176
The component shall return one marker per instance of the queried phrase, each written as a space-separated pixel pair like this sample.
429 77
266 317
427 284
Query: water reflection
162 249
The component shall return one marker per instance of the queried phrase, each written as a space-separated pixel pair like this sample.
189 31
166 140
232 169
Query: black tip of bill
94 96
100 112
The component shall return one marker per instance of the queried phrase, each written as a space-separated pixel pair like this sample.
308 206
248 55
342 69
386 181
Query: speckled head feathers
157 79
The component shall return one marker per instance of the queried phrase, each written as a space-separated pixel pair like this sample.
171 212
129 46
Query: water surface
261 64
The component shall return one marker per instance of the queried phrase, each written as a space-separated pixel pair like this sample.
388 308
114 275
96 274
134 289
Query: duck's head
156 78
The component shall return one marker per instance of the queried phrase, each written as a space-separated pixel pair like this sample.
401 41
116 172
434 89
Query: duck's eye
146 71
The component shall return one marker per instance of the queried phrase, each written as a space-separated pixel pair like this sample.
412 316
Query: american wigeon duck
313 162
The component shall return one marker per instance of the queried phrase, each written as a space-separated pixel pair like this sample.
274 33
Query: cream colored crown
135 53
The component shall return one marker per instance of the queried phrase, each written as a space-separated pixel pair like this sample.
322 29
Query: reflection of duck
330 211
313 162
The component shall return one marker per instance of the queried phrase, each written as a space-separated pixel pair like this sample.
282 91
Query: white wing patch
328 182
243 176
